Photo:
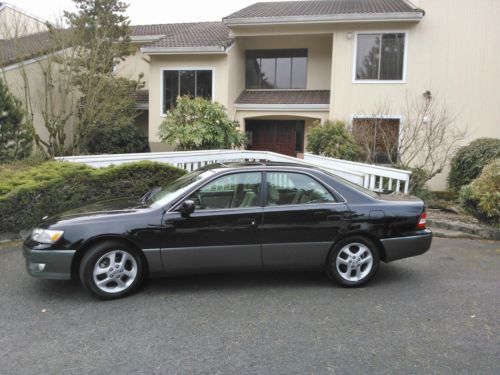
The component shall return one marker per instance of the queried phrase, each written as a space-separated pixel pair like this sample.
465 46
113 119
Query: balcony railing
373 177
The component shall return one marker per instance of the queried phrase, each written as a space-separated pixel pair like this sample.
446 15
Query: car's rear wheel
353 261
111 270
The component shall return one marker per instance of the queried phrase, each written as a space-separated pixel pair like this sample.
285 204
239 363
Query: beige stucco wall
15 76
134 65
16 24
453 52
319 52
216 62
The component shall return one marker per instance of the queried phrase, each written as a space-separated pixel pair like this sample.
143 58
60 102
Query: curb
13 236
473 230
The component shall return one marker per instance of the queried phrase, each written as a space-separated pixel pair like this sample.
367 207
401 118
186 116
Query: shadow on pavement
242 281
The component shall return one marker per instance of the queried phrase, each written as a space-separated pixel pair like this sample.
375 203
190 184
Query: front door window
238 190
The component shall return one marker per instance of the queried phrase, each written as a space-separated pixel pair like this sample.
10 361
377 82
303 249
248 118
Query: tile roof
141 96
284 97
322 8
26 47
186 35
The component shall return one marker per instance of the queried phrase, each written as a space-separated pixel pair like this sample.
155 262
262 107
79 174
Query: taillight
422 220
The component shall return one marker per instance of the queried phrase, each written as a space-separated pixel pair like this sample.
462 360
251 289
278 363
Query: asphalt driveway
437 313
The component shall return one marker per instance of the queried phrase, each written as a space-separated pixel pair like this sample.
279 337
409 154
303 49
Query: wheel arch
83 248
367 235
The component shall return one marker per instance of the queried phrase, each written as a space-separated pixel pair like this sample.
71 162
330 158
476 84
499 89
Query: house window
378 139
380 57
276 69
185 82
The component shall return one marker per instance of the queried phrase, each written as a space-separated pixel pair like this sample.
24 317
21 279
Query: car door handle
249 222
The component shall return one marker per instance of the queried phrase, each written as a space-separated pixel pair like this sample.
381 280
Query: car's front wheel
353 261
111 270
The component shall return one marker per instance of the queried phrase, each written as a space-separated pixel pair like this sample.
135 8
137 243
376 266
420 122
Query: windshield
176 188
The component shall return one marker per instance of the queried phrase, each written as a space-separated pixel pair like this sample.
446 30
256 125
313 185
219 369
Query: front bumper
405 247
49 264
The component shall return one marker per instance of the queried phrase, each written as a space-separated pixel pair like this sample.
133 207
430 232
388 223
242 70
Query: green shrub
481 198
27 195
445 195
469 161
200 124
114 139
16 133
333 140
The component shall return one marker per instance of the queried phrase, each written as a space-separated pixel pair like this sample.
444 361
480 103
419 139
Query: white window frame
162 93
355 55
389 117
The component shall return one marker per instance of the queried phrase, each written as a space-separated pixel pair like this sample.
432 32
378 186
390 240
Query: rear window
360 188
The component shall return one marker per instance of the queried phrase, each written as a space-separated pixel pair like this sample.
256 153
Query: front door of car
222 232
301 220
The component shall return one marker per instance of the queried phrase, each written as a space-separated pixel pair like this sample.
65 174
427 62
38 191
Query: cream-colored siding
453 52
134 65
216 62
235 74
30 75
319 52
14 23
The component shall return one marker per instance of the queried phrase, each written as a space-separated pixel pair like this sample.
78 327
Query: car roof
256 165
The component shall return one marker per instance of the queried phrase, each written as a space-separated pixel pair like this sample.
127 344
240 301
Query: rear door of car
222 232
301 219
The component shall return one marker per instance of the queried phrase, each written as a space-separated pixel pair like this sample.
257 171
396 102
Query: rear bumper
405 247
49 264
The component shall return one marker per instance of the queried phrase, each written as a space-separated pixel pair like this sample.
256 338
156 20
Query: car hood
97 209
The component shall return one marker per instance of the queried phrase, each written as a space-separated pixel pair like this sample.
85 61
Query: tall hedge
469 161
52 187
481 198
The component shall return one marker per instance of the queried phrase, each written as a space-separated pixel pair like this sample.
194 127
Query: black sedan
243 216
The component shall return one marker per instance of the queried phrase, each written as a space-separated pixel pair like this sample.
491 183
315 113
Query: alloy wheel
354 262
115 271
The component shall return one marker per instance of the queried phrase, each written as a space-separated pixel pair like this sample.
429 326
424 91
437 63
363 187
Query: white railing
191 160
375 177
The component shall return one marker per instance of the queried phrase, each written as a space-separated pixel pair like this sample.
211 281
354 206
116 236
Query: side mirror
187 207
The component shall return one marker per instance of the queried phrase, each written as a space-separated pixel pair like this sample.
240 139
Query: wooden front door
281 136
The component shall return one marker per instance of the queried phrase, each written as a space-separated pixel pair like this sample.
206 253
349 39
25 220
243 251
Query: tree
200 124
16 134
45 87
333 140
101 38
428 138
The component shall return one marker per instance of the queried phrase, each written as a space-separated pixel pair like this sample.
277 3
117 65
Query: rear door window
285 188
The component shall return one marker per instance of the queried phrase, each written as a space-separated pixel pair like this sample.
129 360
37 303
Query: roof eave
145 38
183 50
335 18
283 107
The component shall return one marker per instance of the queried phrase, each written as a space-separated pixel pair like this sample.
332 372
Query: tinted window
170 89
237 190
276 69
185 82
294 188
380 56
178 187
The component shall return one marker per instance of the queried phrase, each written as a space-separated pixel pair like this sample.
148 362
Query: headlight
46 235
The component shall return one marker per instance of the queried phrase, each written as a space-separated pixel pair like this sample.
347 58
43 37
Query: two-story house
279 67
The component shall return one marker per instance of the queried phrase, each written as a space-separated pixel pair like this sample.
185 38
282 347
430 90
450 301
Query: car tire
112 270
358 254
